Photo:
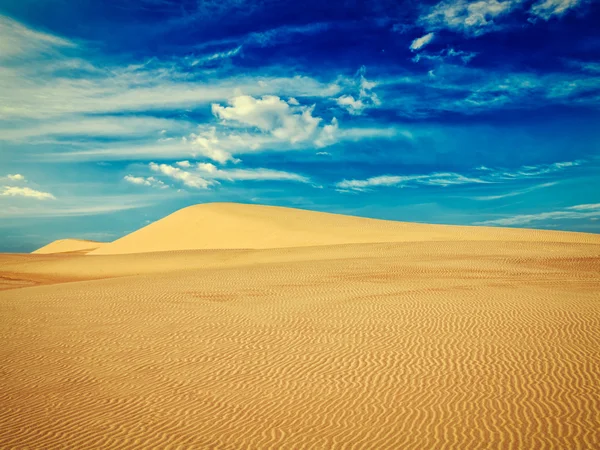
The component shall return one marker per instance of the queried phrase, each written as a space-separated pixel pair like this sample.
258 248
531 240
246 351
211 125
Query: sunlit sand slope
416 345
230 225
69 245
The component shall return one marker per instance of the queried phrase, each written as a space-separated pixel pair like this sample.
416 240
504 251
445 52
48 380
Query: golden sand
362 334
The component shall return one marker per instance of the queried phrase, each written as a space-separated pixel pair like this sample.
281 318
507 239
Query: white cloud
572 212
184 164
16 40
211 171
14 191
271 114
362 97
215 56
470 17
15 177
546 9
77 125
486 175
352 105
433 179
514 193
189 179
589 206
81 206
148 181
421 42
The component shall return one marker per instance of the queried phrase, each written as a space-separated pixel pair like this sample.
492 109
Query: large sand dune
459 340
230 225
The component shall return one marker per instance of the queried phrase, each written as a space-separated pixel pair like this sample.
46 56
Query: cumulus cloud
271 114
188 179
421 42
147 181
546 9
14 191
15 177
469 17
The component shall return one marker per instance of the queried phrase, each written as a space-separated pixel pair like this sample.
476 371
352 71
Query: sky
115 114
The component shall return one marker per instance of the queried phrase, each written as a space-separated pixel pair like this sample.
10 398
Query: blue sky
114 114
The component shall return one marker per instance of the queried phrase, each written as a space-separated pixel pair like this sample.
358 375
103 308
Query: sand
69 246
462 341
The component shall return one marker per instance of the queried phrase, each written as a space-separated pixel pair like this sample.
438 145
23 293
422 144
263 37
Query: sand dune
463 342
69 245
231 226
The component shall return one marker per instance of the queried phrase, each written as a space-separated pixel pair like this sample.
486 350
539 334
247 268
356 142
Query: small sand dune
464 340
69 245
235 226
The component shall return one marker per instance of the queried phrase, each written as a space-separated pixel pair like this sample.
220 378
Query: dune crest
241 226
69 246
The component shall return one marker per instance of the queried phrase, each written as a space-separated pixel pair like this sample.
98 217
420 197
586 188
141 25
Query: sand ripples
437 346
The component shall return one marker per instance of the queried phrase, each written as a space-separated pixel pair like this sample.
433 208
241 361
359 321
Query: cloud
448 54
204 175
433 179
514 193
215 56
469 17
569 213
211 171
77 125
188 179
271 114
17 40
148 181
362 96
546 9
15 177
444 179
81 206
421 42
14 191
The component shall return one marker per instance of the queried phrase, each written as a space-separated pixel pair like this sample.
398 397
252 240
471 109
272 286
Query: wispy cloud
204 175
18 41
546 9
468 17
361 96
484 175
569 213
514 193
433 179
79 206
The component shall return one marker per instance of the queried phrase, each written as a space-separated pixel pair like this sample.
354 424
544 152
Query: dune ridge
238 226
69 245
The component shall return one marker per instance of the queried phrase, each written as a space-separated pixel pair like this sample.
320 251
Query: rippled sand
464 344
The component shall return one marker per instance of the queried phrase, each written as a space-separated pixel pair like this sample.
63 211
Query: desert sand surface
69 246
423 337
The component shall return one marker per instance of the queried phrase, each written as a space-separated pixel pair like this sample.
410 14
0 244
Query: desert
245 326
